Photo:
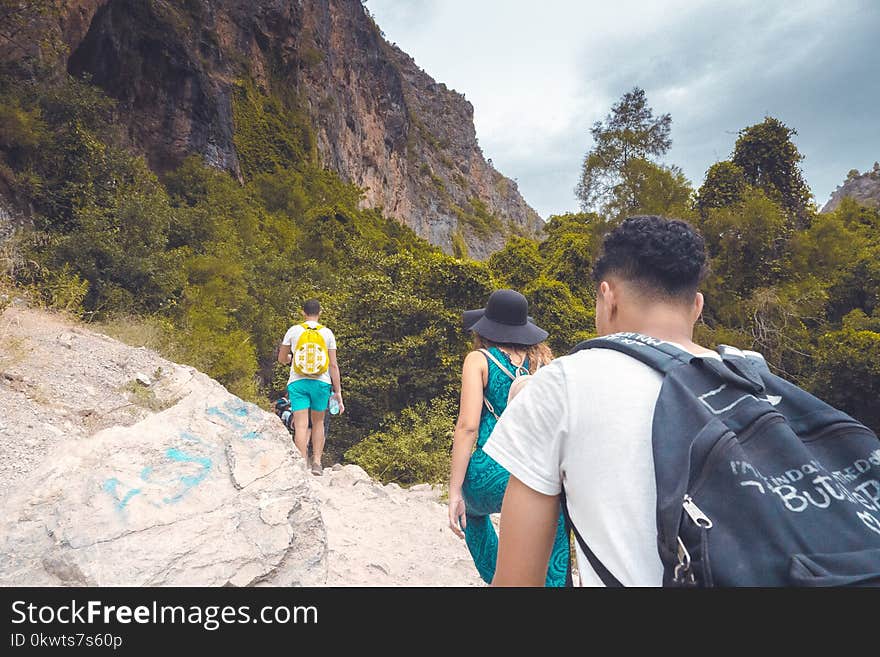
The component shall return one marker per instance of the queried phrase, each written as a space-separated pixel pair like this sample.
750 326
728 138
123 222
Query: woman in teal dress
507 345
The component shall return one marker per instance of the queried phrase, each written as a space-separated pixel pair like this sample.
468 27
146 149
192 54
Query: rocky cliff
864 188
376 118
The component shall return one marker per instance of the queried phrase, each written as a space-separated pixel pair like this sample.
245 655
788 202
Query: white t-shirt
290 339
585 420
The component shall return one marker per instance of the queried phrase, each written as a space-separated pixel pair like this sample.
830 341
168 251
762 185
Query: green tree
648 188
570 246
782 320
517 264
629 132
724 186
847 373
857 320
769 159
857 286
744 243
561 314
831 245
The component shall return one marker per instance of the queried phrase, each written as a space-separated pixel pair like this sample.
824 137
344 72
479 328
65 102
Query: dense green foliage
214 269
412 447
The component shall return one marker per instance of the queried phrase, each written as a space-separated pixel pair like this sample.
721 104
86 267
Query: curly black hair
665 256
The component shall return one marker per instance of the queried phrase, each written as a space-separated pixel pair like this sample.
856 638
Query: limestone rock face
208 491
378 119
864 188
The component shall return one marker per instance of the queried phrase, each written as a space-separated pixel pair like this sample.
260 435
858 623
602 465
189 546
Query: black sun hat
505 319
470 317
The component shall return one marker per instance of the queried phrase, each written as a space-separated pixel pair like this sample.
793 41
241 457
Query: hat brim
527 333
471 317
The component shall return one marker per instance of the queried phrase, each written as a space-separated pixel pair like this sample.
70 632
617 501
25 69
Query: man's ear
609 294
609 299
698 306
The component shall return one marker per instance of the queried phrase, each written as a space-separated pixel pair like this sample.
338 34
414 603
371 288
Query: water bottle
334 405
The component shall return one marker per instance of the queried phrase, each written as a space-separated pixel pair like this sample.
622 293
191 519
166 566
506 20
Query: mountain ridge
864 188
375 117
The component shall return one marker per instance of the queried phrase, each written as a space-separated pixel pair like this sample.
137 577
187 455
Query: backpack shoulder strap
659 354
488 354
734 367
599 568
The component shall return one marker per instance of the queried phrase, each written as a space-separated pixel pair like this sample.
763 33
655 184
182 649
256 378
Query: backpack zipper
696 514
683 573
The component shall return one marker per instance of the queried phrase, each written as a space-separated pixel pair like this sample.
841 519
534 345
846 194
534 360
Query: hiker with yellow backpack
314 384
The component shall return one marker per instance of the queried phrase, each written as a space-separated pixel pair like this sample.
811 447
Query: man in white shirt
311 394
585 420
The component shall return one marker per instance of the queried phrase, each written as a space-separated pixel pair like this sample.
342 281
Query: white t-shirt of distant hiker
291 338
585 420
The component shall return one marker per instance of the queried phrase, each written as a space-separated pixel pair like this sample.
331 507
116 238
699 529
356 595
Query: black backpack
758 482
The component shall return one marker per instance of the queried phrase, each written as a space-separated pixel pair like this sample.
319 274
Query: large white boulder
209 491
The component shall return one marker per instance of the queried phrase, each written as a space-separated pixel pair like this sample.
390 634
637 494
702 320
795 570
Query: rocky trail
118 467
388 535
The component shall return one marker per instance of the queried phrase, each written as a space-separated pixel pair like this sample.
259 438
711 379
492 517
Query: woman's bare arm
473 380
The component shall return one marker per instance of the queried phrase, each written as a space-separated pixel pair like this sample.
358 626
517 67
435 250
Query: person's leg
557 569
319 394
299 404
482 543
317 436
485 484
301 432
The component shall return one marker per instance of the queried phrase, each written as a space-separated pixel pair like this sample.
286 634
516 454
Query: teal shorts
309 393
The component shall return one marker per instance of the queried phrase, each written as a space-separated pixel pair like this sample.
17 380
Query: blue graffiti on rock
170 481
234 414
112 485
188 481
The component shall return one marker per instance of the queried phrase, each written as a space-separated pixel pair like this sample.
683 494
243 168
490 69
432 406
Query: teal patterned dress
485 482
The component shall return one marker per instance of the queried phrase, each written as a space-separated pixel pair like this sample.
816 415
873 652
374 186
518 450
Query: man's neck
311 319
670 326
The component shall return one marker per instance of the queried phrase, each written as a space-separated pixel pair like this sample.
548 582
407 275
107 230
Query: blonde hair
538 354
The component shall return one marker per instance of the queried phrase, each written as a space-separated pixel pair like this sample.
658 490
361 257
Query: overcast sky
540 73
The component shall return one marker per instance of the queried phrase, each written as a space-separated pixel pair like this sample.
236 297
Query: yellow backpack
310 357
